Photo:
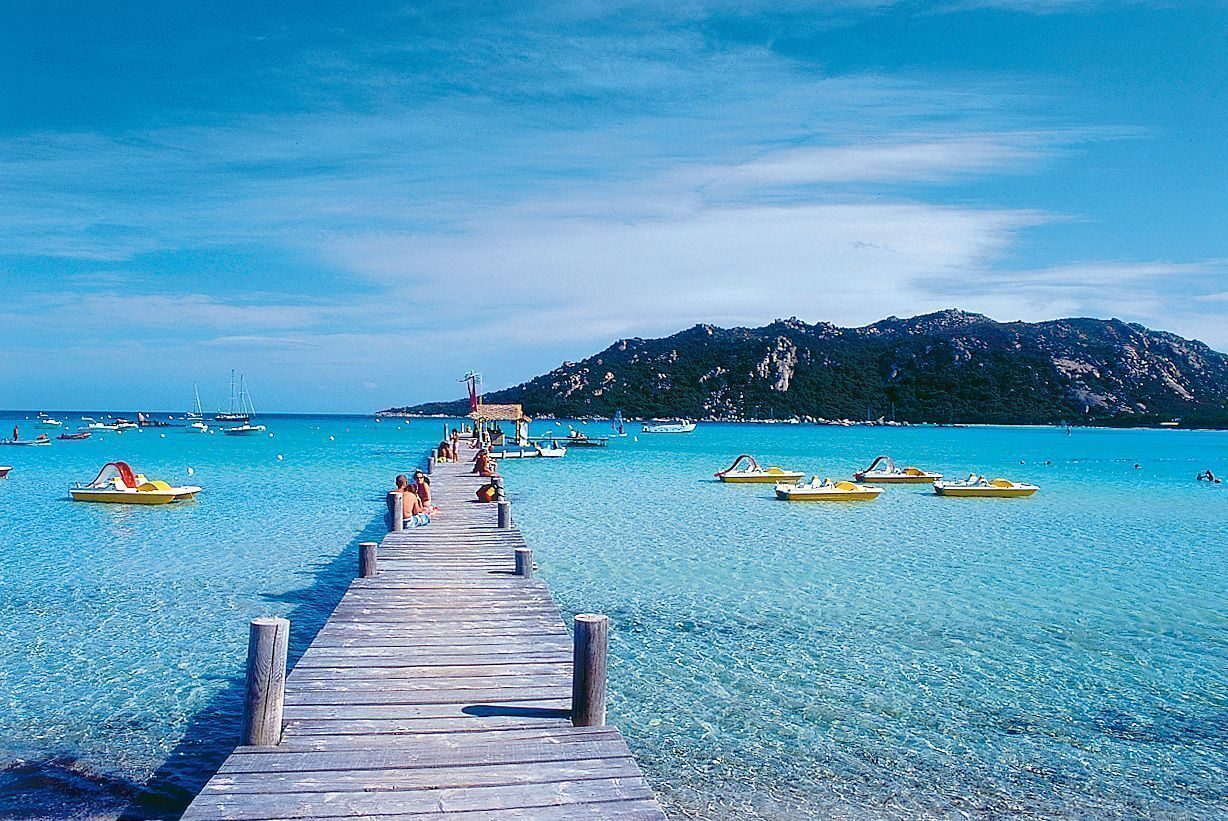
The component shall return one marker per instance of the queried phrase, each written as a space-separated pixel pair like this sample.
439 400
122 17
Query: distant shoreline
826 423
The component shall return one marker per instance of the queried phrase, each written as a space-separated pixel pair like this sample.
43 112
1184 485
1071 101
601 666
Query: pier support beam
524 562
368 564
396 504
590 647
265 692
505 515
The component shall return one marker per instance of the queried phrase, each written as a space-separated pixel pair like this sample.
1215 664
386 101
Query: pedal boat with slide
752 473
883 470
980 487
117 483
827 491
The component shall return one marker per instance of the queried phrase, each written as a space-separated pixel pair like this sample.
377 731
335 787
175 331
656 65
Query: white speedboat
197 427
45 421
245 430
675 426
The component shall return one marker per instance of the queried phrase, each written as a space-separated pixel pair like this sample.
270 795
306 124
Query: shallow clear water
1064 654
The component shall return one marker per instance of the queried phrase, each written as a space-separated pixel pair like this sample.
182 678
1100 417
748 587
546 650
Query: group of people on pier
416 505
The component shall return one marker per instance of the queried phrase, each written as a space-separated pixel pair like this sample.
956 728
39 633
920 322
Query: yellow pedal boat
979 486
116 483
827 491
884 471
752 473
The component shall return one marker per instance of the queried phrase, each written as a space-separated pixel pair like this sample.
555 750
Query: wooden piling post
497 481
524 562
265 692
505 515
430 466
590 647
396 504
367 563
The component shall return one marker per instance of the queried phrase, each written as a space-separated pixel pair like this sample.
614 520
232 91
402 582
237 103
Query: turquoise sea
1061 655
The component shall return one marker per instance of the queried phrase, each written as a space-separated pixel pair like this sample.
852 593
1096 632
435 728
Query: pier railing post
265 691
497 481
368 564
430 466
524 562
590 646
396 504
505 515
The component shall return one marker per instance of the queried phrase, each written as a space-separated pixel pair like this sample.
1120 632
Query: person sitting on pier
412 510
421 487
445 451
483 465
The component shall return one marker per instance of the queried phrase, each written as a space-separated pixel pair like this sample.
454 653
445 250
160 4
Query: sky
355 203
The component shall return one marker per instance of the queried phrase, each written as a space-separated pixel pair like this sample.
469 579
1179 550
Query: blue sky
355 203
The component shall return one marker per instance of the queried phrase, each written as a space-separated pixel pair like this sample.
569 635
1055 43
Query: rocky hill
949 366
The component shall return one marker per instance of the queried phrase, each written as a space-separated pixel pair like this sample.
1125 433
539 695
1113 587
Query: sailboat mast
232 391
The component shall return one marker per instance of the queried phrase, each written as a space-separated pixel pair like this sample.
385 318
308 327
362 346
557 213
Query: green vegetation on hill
946 367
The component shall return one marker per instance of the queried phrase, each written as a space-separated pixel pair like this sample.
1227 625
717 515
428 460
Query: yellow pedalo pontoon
827 491
979 486
883 470
116 483
752 473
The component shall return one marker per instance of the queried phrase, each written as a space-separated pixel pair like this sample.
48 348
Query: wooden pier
443 684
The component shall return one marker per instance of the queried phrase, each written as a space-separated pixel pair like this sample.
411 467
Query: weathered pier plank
442 684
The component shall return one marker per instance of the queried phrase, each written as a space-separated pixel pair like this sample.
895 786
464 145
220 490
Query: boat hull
129 497
762 478
803 493
4 471
985 492
896 479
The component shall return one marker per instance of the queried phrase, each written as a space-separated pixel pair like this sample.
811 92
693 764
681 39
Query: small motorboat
45 421
753 473
827 491
117 483
883 470
244 430
197 427
979 486
671 426
41 439
553 450
578 439
74 437
4 470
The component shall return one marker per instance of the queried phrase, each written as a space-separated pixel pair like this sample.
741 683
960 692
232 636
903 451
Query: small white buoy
270 436
332 438
162 435
191 472
635 438
279 457
212 432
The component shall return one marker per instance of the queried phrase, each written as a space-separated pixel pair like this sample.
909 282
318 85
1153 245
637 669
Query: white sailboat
239 408
246 411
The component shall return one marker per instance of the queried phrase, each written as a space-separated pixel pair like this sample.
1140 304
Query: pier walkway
442 685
